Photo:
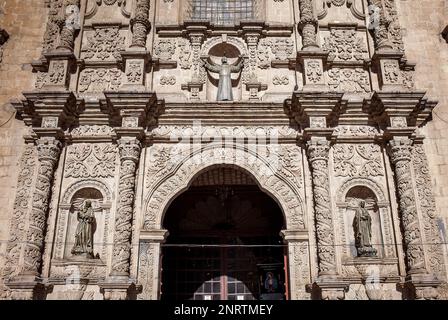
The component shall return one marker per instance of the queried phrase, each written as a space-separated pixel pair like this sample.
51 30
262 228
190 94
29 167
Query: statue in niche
84 232
225 71
362 226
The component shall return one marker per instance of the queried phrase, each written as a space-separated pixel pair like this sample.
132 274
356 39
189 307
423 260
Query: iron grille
223 12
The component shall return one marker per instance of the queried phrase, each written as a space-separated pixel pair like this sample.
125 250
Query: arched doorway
224 241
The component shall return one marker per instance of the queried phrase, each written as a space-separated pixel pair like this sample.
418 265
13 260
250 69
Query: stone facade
337 102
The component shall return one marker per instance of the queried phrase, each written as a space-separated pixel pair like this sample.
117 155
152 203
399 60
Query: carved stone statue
84 232
225 77
362 226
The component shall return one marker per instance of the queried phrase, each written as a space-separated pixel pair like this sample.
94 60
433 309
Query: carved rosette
318 156
129 157
308 24
400 154
140 24
48 152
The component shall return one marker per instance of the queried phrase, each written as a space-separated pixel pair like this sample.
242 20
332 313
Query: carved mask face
224 60
88 204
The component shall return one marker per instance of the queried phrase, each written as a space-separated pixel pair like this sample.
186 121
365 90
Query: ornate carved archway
271 177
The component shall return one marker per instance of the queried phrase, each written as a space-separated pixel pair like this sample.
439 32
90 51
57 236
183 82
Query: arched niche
233 49
73 199
349 197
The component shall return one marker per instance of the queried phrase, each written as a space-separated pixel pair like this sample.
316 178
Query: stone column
26 283
380 22
311 57
70 24
308 25
140 24
318 151
129 158
150 264
328 285
420 283
299 263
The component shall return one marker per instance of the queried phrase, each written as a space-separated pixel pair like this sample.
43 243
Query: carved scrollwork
90 161
175 173
362 160
104 44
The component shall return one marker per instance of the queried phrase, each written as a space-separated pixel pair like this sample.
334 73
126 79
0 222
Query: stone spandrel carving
349 80
22 205
362 160
318 157
90 161
345 45
48 152
428 209
400 153
99 80
104 44
129 157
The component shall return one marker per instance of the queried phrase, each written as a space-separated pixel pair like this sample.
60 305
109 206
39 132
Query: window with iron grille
223 12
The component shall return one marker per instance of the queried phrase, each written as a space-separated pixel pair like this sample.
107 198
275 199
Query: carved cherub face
224 60
88 204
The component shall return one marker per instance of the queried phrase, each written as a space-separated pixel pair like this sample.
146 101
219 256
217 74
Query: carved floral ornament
177 177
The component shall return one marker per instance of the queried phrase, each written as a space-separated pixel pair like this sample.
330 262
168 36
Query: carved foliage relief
104 44
363 160
427 206
345 45
91 161
21 208
98 80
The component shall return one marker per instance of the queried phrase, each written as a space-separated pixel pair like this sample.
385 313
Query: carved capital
400 150
318 150
129 150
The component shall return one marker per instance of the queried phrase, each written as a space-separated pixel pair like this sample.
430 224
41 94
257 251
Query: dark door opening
224 244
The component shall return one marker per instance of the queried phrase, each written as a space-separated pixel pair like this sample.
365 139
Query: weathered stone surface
100 110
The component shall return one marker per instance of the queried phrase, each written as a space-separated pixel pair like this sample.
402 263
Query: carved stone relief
362 160
345 45
99 80
91 161
165 173
104 43
348 80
